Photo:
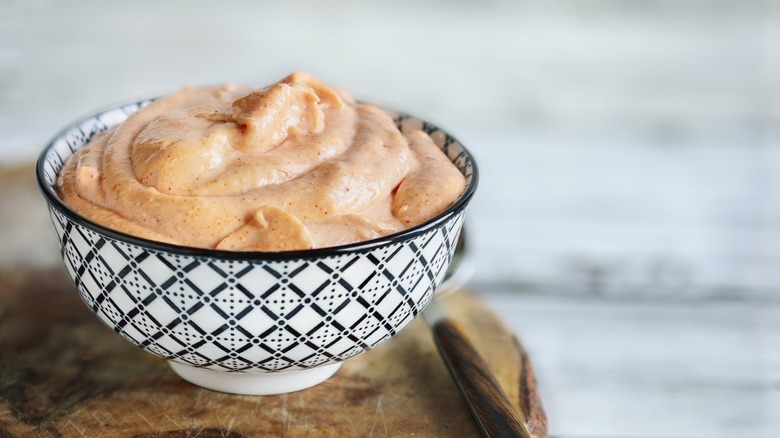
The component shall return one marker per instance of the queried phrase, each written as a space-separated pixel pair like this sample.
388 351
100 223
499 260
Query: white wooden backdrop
628 221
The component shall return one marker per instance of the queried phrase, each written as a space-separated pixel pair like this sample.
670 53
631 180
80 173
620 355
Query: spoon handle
488 403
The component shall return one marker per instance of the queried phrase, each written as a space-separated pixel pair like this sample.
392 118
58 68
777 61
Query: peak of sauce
296 165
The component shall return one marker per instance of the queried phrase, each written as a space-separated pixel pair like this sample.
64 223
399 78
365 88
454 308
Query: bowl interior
77 135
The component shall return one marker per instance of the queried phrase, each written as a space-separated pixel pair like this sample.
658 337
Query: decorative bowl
252 322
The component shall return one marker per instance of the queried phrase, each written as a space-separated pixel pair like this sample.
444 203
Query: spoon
488 403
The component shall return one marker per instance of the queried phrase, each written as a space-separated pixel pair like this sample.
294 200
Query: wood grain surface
62 373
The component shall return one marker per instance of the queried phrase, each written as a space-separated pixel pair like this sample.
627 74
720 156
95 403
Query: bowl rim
54 200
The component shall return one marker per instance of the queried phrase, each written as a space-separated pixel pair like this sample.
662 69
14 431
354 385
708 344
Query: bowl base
255 384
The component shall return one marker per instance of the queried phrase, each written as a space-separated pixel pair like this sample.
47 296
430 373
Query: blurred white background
629 150
625 147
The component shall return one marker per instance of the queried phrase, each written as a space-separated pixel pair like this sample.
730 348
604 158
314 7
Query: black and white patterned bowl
252 322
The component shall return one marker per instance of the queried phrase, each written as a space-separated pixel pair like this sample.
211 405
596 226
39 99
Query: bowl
252 322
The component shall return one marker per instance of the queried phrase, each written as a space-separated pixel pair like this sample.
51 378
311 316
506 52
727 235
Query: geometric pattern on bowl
252 312
255 315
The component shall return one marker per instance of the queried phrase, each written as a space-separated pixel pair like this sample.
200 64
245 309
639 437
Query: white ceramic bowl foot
255 384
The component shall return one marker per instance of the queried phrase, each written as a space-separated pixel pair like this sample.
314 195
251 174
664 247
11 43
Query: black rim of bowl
57 203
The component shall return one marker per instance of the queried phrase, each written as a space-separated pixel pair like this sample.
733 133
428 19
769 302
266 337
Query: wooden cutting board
62 373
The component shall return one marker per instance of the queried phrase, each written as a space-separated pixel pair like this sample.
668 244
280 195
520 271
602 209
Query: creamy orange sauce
296 165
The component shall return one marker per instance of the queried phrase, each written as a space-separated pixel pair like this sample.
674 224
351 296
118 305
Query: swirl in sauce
296 165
